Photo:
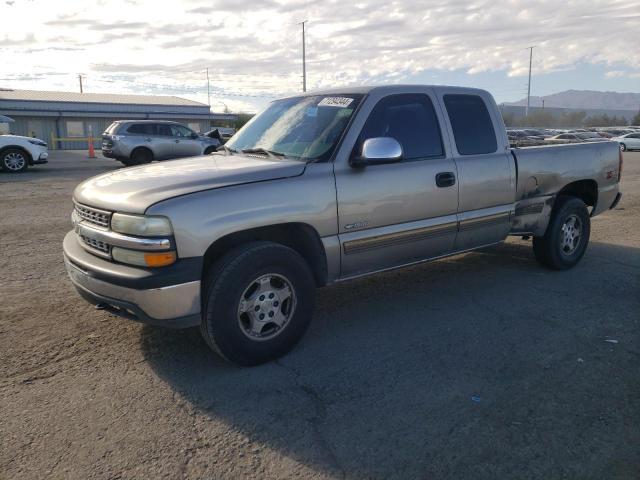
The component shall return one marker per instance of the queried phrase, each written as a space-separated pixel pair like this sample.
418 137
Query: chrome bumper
175 306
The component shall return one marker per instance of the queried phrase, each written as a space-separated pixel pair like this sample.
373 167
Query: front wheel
14 160
567 235
258 302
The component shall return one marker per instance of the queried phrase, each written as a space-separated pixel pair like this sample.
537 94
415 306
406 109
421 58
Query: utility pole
208 97
80 78
304 59
526 112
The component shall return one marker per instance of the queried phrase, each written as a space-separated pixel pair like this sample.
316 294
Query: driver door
185 144
398 213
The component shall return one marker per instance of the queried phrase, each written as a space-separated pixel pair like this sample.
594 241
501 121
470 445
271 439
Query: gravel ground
484 365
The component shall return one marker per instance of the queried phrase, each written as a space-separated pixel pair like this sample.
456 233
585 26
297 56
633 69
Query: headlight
143 259
141 225
35 141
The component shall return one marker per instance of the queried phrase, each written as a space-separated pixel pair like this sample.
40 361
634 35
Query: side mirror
378 151
194 135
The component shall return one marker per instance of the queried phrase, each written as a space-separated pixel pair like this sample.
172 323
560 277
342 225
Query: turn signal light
159 259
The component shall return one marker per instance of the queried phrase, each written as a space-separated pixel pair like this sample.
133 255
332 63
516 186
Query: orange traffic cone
92 152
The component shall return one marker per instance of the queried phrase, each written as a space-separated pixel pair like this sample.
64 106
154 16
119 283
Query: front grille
96 244
93 215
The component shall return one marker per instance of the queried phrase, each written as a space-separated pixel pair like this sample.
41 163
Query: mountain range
585 99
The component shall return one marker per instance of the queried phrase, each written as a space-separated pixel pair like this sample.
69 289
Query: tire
241 295
567 235
209 150
623 147
14 160
139 156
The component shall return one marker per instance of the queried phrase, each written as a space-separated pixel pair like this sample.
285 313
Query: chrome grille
96 244
93 215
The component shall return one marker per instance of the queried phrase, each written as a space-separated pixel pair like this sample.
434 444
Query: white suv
17 153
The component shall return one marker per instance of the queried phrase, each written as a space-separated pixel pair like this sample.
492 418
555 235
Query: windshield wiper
264 151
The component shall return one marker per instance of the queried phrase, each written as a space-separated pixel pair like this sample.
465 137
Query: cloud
253 46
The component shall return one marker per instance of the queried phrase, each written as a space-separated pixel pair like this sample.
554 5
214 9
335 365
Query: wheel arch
585 190
18 147
301 237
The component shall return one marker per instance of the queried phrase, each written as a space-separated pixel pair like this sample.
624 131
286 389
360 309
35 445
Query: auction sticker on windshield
340 102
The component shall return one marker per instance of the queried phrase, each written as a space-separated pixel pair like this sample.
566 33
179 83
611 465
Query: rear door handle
177 141
445 179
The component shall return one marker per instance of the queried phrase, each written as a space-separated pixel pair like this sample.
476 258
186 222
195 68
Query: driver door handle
445 179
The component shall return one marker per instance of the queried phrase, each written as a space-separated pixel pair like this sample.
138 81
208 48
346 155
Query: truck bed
543 171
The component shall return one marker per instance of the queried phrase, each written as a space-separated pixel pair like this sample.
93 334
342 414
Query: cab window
471 124
411 120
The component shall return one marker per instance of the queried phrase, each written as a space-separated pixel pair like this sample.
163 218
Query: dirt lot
484 365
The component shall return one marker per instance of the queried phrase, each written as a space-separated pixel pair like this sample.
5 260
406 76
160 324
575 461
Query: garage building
69 115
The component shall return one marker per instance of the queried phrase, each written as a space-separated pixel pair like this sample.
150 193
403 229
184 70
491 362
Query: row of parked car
132 142
627 137
136 142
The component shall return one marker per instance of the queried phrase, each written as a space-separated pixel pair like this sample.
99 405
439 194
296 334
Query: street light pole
526 112
304 59
208 97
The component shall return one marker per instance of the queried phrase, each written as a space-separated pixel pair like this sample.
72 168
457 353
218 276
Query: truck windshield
304 128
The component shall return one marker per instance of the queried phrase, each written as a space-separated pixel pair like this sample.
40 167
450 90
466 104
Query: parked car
321 188
564 138
630 141
135 142
574 137
591 137
223 134
18 153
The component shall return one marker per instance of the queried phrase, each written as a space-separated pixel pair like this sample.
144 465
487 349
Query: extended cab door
397 213
486 170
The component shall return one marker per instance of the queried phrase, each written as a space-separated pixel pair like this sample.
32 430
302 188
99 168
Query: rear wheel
567 235
139 156
623 147
14 160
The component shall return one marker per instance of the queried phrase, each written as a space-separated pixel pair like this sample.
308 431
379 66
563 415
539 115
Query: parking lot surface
483 365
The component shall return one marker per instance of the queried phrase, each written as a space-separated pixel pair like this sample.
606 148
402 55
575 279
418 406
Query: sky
253 48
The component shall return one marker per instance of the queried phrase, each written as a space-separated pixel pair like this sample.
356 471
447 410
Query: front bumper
43 157
167 296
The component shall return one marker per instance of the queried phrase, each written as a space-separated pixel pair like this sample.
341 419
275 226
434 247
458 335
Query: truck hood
135 189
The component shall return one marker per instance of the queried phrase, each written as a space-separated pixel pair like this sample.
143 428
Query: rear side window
411 120
111 128
472 127
142 128
164 129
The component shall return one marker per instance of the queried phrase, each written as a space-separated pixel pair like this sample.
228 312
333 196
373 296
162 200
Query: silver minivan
135 142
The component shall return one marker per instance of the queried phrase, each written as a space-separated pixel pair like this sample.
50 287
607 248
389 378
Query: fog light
143 259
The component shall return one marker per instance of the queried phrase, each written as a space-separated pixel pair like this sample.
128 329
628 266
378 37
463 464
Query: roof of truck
384 88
